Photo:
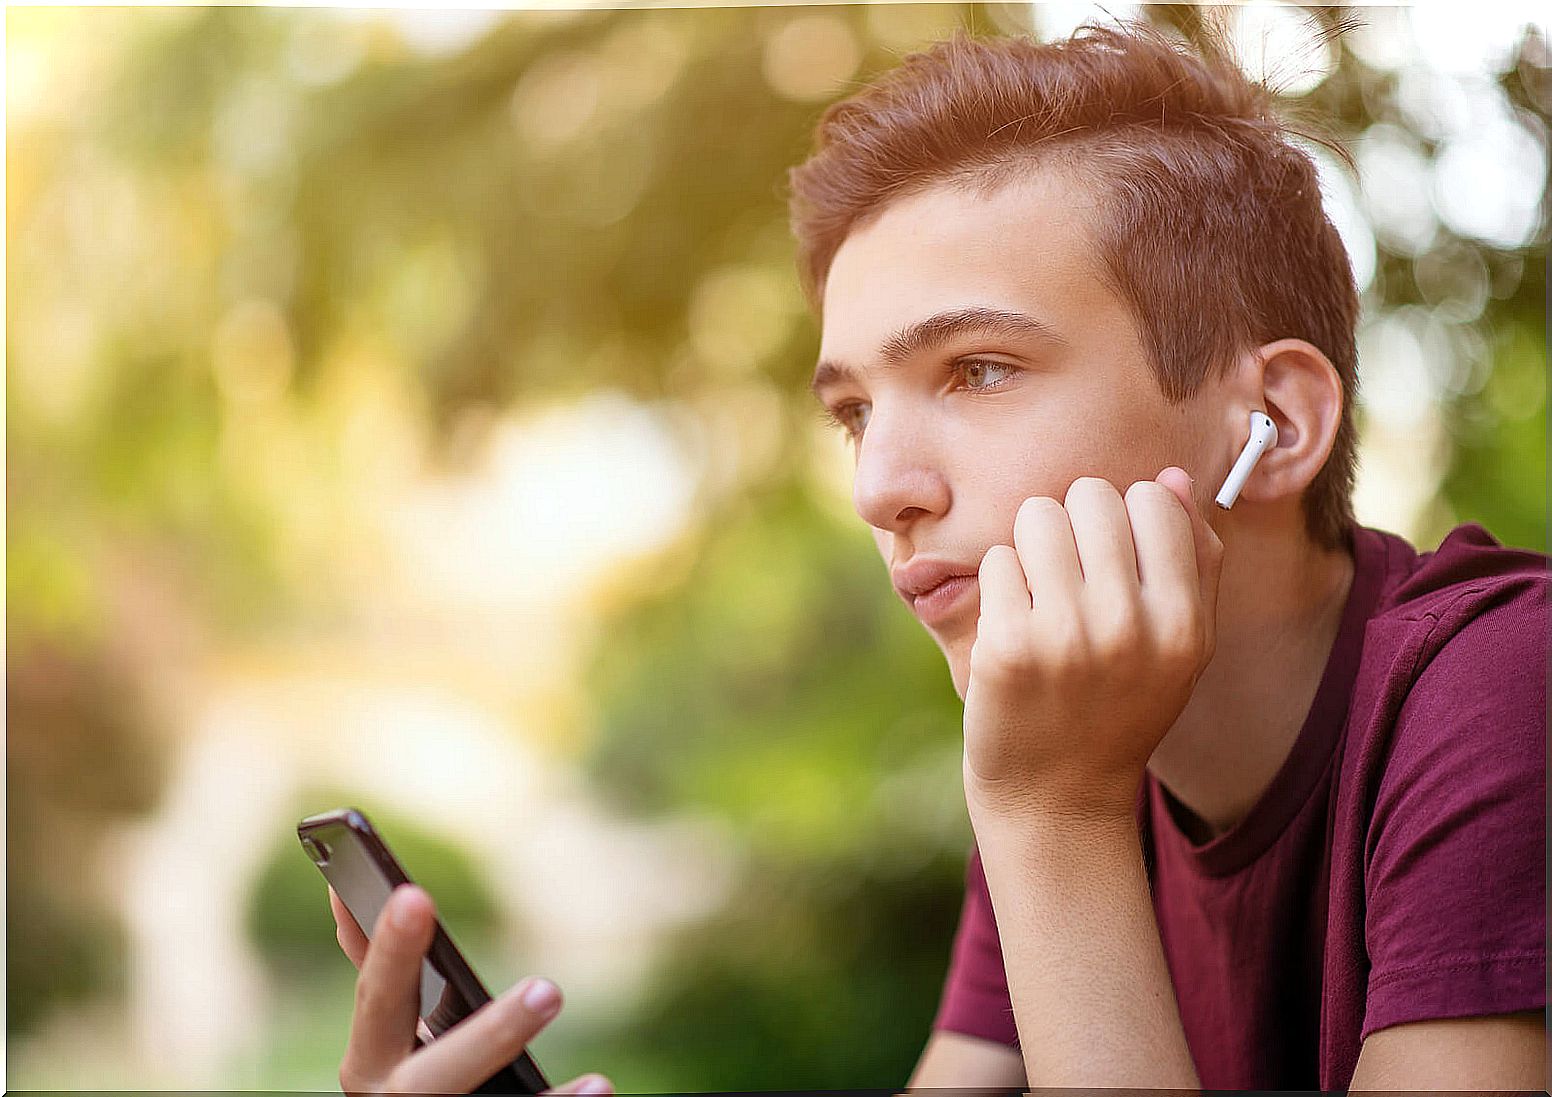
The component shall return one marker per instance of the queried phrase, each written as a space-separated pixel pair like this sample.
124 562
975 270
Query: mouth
942 602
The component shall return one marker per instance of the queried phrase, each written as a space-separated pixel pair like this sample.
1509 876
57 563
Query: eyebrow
936 330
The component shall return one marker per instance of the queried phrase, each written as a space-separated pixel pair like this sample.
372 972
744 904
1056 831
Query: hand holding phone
382 1055
416 990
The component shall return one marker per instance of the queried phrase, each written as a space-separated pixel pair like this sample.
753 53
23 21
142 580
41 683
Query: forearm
1091 993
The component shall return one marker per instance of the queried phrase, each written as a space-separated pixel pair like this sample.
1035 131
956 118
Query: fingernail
403 916
542 997
596 1084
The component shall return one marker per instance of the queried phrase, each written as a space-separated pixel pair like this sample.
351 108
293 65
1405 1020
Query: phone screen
363 888
363 872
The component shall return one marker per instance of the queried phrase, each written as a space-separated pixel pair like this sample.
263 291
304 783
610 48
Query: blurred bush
77 758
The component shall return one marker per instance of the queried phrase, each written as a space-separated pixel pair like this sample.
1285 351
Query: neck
1280 603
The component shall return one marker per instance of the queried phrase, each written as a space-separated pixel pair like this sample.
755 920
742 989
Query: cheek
1044 454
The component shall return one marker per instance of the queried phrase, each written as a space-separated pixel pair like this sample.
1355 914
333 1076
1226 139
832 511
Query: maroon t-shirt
1393 871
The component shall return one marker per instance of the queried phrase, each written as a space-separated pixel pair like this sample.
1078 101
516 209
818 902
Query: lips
924 574
939 586
945 603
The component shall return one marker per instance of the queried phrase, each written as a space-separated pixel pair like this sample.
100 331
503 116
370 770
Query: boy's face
954 430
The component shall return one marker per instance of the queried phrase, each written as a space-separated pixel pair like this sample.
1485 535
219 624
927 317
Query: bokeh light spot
807 59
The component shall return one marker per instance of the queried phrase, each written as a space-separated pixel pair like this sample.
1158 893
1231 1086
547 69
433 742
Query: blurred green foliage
787 690
1498 475
822 974
223 236
755 691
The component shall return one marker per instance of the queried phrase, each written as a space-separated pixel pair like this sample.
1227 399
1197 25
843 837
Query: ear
1303 395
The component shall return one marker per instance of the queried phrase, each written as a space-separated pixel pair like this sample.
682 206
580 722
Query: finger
346 930
1166 556
1207 546
1205 540
1005 599
1103 534
587 1083
382 1032
1048 553
482 1043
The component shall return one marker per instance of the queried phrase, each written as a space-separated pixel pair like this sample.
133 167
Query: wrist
1060 849
1084 802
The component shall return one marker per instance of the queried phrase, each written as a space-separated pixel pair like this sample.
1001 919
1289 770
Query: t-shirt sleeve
1455 877
975 994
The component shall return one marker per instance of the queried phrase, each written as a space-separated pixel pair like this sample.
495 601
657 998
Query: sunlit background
406 409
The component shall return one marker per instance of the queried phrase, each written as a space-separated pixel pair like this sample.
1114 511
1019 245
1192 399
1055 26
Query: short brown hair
1206 200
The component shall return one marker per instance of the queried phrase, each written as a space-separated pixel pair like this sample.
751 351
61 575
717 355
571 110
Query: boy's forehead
1023 247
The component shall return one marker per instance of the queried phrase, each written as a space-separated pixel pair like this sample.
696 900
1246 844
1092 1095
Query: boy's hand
381 1056
1094 629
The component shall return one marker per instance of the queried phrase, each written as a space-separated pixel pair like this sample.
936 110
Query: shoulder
1459 731
1469 573
1474 714
1456 636
1481 661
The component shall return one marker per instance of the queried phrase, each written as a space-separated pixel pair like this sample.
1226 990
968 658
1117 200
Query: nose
898 477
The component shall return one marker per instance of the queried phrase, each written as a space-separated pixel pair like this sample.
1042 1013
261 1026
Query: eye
851 417
980 374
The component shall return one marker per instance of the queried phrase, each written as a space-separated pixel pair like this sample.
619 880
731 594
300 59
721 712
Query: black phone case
463 992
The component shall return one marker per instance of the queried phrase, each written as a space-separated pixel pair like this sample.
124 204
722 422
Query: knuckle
1181 654
1067 645
997 671
1179 643
998 659
1113 623
1110 644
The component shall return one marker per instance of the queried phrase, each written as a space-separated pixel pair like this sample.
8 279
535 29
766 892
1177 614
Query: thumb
1209 549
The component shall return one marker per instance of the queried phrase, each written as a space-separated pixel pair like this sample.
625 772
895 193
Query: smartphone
363 871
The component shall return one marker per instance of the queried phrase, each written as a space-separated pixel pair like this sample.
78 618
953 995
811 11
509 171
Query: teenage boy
1258 793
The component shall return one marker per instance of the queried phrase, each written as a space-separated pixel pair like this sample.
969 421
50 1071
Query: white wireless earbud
1263 436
